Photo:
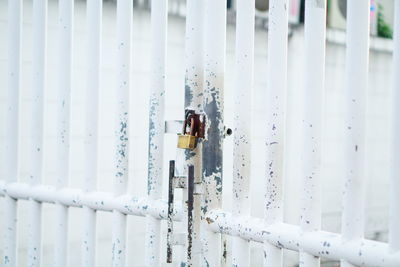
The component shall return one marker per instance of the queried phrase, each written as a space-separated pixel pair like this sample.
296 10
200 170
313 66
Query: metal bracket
179 239
173 126
180 182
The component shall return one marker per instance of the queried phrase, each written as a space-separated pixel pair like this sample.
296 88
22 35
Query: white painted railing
205 223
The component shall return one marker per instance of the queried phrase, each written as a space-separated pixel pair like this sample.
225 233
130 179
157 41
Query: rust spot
209 221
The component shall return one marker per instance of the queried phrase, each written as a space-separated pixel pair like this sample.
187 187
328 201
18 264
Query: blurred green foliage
383 28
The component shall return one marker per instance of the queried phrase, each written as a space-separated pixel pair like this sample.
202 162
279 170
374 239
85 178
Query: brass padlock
189 137
187 141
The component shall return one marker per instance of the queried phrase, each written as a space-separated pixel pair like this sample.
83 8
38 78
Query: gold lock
187 141
193 129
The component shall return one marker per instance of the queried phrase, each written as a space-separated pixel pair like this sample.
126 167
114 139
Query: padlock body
186 141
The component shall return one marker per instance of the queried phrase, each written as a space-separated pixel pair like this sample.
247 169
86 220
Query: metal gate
198 171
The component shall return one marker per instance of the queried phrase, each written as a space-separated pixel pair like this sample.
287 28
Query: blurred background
378 119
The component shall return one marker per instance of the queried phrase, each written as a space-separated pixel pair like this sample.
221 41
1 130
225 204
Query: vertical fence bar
159 20
170 222
355 93
310 219
93 26
65 30
275 116
194 100
36 128
394 220
11 131
124 28
242 123
190 202
213 103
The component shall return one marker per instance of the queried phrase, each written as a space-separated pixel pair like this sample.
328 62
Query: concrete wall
377 135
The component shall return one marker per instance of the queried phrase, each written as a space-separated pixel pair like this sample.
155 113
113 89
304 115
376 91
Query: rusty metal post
170 223
190 204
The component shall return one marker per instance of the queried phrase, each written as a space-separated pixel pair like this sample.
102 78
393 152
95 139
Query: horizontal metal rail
102 201
318 243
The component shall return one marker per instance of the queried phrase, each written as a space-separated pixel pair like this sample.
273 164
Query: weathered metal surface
94 25
359 252
187 242
65 46
242 123
356 83
275 116
194 69
313 99
180 182
204 183
190 204
35 130
159 18
213 104
123 64
102 201
170 231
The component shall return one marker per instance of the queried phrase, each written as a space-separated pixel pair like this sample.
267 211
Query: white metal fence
206 225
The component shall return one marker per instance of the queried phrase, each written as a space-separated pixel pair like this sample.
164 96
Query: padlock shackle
196 124
192 124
